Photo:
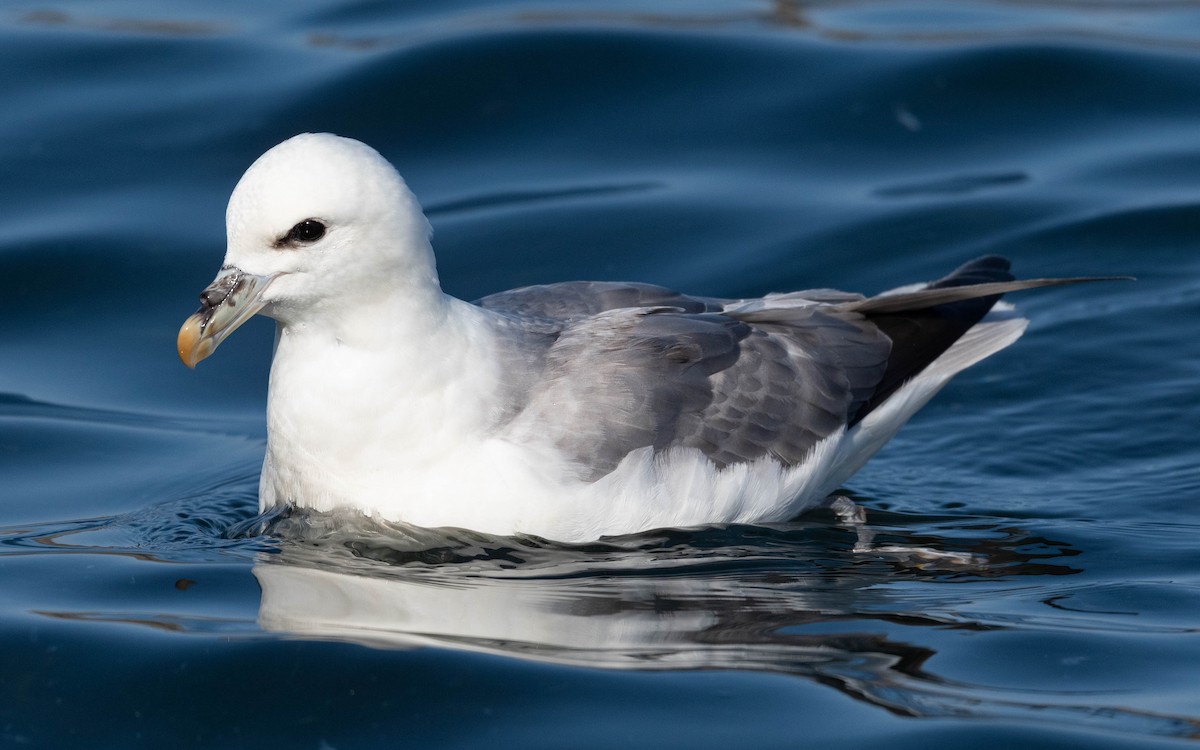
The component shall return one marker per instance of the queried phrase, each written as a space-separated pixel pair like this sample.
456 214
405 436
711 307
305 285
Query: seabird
570 410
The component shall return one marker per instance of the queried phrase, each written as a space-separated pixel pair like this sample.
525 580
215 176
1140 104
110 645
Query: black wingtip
984 270
923 324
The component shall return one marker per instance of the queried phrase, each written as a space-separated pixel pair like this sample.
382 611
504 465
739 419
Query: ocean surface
1045 508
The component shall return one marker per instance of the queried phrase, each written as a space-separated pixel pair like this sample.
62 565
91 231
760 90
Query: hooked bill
230 300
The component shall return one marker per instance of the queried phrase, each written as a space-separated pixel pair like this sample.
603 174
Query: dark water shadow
789 599
954 185
792 599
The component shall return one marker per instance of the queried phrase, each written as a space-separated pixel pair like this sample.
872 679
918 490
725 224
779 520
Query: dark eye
309 230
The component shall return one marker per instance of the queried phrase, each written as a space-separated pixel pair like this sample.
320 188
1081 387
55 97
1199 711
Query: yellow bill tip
193 345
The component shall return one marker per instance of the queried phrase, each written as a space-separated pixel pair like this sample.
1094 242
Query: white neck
441 384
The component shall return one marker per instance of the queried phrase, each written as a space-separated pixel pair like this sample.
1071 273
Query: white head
317 224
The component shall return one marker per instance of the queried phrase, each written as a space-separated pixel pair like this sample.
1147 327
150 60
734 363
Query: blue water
726 148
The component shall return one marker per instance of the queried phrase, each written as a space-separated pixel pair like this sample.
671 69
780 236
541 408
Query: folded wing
626 366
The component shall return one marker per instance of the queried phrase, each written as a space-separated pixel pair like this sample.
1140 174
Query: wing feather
619 367
635 377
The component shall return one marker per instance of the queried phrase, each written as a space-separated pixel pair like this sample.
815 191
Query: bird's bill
232 299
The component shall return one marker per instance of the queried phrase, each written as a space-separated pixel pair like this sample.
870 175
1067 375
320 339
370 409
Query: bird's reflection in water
793 599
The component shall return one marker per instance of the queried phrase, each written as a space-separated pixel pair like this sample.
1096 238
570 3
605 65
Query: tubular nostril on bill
220 290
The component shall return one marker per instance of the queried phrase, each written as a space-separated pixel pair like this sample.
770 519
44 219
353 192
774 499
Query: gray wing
611 368
531 319
634 377
571 300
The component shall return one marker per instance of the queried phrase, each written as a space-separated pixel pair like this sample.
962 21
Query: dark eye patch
304 233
